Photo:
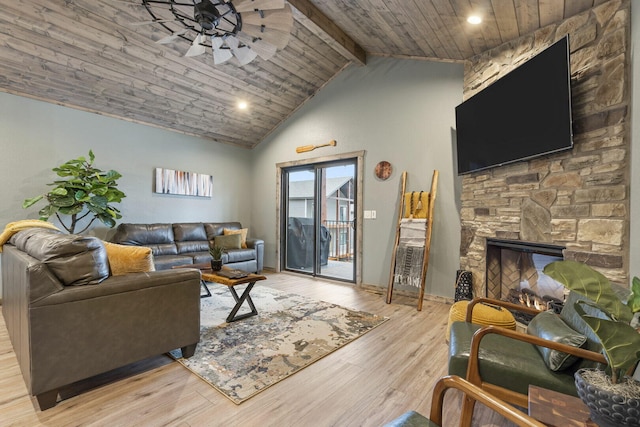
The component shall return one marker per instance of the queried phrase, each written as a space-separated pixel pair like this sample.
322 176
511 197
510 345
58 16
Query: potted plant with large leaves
615 389
84 190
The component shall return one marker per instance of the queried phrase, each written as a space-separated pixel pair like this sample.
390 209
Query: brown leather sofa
188 243
69 319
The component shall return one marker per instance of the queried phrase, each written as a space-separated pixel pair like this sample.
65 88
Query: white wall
634 255
37 136
401 111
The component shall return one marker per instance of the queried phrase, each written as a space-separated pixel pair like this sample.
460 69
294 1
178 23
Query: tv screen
525 114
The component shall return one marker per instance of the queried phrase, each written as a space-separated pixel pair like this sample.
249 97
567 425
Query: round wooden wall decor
383 170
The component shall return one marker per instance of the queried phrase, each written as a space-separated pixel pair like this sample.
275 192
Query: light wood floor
386 372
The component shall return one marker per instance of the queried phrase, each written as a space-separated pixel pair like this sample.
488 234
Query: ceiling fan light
474 19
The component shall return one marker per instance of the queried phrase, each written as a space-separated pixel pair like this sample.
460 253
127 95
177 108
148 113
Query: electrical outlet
367 214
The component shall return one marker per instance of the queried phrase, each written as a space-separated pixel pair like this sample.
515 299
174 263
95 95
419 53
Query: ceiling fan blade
172 37
250 5
275 37
281 20
196 47
220 55
263 49
244 54
154 21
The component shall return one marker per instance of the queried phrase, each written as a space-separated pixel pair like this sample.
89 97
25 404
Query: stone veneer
578 199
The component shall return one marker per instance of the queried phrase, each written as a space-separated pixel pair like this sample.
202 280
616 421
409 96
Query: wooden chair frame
475 393
473 368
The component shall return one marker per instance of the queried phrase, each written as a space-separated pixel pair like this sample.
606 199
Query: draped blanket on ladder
410 252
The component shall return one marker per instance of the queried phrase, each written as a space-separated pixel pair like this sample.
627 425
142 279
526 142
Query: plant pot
216 264
607 408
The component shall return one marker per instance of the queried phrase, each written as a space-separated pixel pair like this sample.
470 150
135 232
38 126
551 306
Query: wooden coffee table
250 280
208 275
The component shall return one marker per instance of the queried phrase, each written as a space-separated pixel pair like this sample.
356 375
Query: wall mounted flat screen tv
525 114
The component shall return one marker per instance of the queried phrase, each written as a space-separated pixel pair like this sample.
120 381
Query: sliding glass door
318 230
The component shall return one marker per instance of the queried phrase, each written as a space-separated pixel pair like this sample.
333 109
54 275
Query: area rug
290 332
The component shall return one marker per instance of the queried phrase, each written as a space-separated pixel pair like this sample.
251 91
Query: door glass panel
320 211
300 208
337 214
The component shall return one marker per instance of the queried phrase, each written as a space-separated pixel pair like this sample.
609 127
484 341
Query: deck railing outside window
341 248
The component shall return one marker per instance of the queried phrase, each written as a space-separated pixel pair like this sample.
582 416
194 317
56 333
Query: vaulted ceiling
90 55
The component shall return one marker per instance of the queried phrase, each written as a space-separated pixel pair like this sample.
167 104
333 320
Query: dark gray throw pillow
550 326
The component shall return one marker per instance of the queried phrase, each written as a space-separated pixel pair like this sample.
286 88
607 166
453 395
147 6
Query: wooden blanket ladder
408 203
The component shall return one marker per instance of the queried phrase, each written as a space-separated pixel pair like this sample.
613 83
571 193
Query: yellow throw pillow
125 259
242 232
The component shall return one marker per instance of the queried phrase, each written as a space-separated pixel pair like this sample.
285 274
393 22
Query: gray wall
37 136
398 111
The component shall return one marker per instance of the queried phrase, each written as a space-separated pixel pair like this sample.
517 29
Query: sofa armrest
116 285
473 369
505 304
258 246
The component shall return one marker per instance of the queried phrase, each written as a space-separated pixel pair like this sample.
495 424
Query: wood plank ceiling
87 54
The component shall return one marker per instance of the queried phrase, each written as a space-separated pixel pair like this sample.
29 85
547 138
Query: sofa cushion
243 235
159 237
124 259
192 246
230 241
506 362
183 232
550 326
75 260
214 229
166 262
239 255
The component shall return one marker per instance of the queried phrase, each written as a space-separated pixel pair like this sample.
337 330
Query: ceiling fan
243 29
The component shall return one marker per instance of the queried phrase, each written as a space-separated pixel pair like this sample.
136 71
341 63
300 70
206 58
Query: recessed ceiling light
242 105
474 19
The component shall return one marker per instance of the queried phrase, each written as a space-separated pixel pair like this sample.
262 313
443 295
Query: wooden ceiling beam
318 23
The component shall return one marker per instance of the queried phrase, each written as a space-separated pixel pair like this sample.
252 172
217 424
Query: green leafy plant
84 190
216 252
620 341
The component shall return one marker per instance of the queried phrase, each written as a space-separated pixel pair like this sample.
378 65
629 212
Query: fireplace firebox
514 274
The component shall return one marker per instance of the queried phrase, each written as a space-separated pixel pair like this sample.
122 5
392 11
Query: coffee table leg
239 300
206 288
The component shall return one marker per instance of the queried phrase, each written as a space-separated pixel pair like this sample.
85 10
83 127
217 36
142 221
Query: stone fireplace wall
578 199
